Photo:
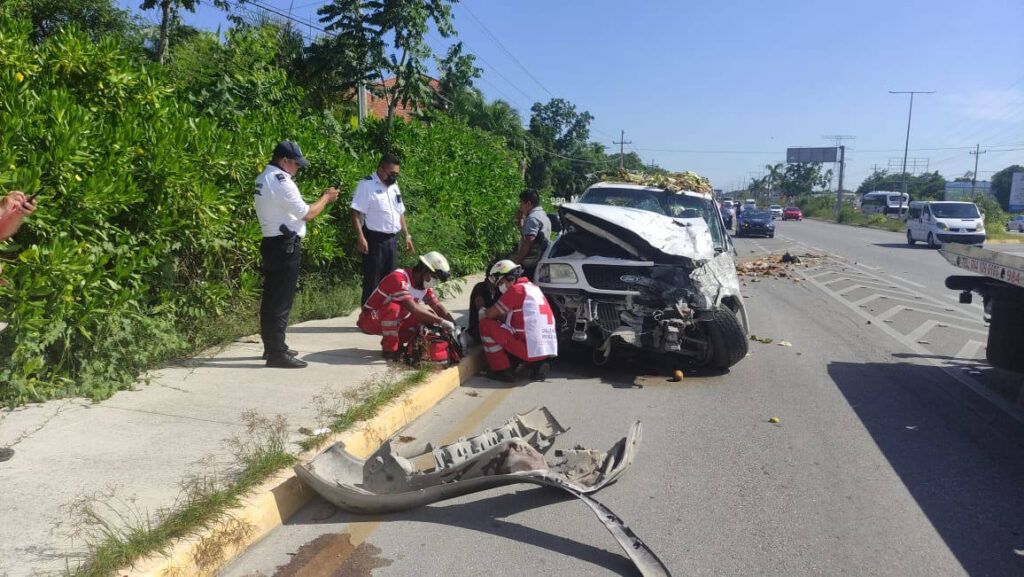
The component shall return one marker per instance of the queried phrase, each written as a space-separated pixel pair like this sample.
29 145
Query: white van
939 222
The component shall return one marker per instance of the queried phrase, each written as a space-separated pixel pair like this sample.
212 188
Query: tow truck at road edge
1001 286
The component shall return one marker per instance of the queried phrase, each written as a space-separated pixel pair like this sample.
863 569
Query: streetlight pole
906 143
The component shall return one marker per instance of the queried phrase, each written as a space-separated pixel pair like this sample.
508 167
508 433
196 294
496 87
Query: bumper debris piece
389 480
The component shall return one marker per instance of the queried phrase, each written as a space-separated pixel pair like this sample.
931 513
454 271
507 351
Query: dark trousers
280 274
381 259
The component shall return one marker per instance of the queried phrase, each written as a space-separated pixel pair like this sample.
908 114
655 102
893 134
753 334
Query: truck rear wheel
1006 331
726 339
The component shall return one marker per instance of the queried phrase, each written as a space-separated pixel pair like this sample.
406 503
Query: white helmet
437 264
505 268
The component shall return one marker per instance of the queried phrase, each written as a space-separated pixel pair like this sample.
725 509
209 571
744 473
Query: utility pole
874 168
839 189
906 143
622 144
974 175
838 138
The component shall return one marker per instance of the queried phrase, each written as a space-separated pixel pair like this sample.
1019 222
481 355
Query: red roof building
378 105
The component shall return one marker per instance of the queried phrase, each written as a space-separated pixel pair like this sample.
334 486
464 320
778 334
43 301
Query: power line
1008 148
506 50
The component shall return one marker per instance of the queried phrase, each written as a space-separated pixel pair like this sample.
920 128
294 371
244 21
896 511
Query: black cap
289 149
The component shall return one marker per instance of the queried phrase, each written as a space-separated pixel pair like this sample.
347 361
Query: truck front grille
609 277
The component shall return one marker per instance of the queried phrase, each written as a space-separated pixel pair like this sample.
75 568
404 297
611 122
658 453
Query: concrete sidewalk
143 443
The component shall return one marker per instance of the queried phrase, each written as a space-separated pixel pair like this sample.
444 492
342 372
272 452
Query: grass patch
319 297
371 398
117 535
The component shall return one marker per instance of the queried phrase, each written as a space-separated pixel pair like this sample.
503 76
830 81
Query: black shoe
283 361
506 376
392 357
292 352
539 371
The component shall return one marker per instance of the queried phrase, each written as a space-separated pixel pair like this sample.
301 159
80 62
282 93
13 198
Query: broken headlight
557 273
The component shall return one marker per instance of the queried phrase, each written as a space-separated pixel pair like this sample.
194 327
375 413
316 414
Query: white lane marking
970 350
922 330
867 266
849 289
909 282
889 313
926 355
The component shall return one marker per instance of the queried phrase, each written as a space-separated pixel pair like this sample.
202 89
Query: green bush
146 229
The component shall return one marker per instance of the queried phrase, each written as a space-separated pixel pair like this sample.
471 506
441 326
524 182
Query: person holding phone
283 215
13 209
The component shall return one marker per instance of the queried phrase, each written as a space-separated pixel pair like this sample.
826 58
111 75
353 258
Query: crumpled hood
644 234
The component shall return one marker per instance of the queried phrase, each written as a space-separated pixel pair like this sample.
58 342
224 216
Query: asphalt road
875 466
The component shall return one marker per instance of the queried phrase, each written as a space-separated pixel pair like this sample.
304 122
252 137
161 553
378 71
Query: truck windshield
956 210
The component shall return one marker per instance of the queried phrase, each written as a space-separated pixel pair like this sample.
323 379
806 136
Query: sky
724 87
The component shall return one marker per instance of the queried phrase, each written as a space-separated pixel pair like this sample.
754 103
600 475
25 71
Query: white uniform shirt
380 204
278 202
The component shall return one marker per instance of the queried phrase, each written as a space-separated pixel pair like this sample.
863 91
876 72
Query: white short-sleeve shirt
381 205
278 202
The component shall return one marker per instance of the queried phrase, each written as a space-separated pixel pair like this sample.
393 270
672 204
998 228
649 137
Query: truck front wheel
726 339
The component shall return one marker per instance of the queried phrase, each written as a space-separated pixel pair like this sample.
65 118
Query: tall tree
458 71
800 179
168 9
559 147
397 69
95 17
1001 182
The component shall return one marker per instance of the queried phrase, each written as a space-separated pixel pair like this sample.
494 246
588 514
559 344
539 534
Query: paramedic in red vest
403 301
520 324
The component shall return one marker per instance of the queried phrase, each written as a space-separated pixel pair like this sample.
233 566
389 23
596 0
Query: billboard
1017 192
807 155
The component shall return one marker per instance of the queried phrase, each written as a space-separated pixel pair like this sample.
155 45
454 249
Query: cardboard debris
773 265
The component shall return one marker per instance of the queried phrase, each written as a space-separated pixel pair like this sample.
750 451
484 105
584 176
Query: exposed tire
1006 331
910 239
931 241
726 338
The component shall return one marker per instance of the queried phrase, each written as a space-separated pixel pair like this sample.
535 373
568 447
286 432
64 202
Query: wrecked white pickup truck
647 268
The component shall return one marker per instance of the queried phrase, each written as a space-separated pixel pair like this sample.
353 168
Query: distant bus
884 202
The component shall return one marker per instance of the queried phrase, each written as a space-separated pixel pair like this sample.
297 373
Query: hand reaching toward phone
17 202
13 209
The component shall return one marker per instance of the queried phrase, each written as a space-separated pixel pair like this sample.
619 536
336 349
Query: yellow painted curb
281 496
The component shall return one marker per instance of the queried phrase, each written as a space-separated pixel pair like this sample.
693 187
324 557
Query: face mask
429 284
391 179
502 288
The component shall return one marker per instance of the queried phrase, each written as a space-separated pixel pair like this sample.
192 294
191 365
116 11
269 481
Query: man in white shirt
283 215
378 215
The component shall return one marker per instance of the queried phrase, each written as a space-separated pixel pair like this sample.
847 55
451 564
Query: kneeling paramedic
528 328
403 301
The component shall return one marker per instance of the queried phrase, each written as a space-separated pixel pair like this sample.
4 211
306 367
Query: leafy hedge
146 228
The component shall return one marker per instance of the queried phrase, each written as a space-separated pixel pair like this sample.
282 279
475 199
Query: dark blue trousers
381 259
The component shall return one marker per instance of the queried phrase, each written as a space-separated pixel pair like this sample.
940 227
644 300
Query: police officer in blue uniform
378 215
283 215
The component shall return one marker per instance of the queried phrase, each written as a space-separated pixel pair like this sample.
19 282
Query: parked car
1016 223
945 221
792 213
642 267
755 221
776 210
